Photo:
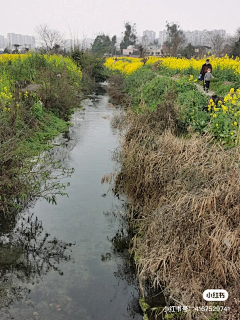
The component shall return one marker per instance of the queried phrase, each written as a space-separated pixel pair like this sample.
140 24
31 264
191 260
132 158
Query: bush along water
92 67
37 96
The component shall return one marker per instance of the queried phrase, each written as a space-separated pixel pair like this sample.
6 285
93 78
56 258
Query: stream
70 260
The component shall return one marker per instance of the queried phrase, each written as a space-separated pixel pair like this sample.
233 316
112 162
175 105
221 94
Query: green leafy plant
37 110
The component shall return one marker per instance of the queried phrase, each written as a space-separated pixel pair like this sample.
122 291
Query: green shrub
136 80
92 67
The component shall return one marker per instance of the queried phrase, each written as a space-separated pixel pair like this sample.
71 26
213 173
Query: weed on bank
180 171
37 95
184 195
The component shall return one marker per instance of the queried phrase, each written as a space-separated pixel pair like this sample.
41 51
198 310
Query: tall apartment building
3 42
197 37
162 37
149 35
12 39
220 32
21 40
28 41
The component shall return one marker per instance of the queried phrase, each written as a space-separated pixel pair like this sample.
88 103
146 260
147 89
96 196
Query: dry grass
185 196
116 90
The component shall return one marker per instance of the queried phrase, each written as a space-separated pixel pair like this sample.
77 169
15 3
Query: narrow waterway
70 263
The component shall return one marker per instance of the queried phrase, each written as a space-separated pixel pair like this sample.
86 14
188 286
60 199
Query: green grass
50 128
220 88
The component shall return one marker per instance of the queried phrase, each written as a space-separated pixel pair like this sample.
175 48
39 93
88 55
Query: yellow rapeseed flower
224 64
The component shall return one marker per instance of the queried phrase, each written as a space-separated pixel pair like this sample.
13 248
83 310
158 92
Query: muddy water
66 261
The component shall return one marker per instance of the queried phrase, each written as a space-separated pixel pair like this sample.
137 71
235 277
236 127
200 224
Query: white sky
87 18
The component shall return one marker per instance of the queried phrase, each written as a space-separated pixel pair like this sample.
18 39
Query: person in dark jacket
207 65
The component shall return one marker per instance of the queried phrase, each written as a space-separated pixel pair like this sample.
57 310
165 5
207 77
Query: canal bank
63 262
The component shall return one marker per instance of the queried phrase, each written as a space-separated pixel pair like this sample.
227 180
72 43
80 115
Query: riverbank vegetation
147 87
92 67
180 171
38 93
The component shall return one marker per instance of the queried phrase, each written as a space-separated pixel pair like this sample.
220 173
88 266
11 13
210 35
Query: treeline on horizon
53 41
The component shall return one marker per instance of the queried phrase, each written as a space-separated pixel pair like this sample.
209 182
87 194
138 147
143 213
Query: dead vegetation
116 90
185 196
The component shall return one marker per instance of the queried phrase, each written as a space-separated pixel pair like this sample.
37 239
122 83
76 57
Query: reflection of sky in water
89 288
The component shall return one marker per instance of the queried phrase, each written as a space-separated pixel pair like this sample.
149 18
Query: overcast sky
89 17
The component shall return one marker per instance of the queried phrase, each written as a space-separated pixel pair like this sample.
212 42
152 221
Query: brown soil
176 76
31 87
228 83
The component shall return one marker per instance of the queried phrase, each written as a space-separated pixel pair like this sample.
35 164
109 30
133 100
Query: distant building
150 35
12 39
154 52
162 37
128 51
28 42
201 50
3 42
24 41
195 37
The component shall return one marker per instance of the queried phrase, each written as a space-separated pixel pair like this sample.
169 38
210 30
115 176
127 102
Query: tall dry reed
185 197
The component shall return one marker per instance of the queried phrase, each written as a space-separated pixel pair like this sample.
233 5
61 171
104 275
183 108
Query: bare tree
81 44
48 38
216 41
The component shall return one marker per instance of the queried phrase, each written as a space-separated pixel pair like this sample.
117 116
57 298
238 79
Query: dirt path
200 88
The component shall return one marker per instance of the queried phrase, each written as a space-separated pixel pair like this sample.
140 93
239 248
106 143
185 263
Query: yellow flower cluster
5 94
57 60
124 65
230 105
226 117
179 65
12 57
6 97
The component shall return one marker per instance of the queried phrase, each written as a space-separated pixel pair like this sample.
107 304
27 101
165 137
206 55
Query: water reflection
126 269
26 254
99 281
